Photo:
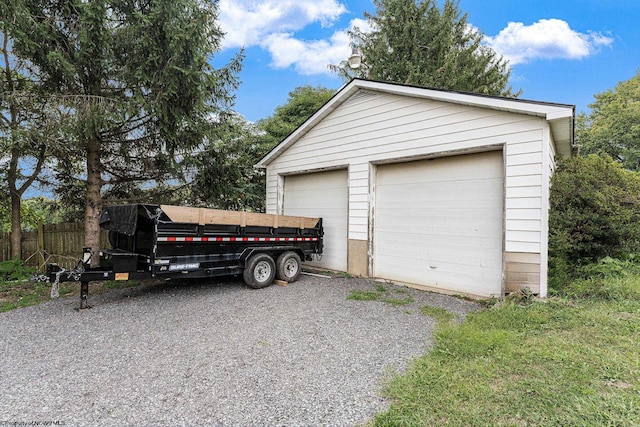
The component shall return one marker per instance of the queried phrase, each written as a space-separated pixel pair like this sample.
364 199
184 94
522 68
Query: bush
612 289
15 270
609 279
595 214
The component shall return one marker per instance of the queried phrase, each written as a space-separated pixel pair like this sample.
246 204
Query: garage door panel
457 277
438 269
442 248
464 258
439 223
325 195
440 170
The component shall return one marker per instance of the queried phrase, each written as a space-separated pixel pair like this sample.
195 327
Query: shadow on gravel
179 287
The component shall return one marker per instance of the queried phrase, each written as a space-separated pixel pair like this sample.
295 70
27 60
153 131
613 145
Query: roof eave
562 115
342 95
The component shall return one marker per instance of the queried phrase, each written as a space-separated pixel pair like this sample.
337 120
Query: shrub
595 213
611 289
15 270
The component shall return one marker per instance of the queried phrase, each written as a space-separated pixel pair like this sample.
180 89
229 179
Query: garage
324 195
448 234
436 189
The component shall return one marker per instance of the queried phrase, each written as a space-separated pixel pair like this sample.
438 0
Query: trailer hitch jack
84 294
87 254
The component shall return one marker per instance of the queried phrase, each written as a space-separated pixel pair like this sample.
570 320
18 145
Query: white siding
272 193
388 127
359 201
523 193
385 128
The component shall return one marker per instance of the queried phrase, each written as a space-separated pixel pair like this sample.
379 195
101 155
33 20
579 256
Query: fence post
41 244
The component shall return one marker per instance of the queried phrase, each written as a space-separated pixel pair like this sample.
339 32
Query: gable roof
559 116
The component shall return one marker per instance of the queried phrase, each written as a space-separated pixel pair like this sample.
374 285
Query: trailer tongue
162 241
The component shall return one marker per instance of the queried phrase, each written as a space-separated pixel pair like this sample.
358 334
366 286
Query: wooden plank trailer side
163 241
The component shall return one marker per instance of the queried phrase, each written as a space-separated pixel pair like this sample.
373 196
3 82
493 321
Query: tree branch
36 171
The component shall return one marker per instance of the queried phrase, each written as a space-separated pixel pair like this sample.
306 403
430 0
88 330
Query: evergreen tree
419 43
29 132
224 175
135 75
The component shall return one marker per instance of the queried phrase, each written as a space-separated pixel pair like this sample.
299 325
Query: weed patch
441 315
15 270
381 293
18 294
364 295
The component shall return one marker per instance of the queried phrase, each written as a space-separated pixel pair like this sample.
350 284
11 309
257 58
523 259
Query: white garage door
439 223
325 195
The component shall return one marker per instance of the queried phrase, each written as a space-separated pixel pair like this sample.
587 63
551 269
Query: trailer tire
288 266
259 271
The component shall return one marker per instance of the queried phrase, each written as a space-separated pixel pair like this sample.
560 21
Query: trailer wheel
259 271
288 267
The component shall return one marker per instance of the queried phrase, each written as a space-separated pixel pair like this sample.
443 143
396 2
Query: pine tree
135 75
419 43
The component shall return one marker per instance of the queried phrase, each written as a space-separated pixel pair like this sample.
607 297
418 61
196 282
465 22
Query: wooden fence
59 243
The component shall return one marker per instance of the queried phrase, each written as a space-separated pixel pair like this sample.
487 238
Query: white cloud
310 57
272 24
545 39
307 57
249 22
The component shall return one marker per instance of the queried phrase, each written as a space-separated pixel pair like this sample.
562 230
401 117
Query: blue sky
561 50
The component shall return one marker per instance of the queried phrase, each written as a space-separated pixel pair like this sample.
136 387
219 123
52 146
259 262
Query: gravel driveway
211 354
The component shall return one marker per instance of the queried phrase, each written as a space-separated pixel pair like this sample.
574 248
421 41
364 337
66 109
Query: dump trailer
163 241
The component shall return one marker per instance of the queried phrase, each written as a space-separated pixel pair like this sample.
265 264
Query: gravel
211 353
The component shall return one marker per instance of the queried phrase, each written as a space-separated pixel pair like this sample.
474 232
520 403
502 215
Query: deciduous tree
613 125
595 213
301 104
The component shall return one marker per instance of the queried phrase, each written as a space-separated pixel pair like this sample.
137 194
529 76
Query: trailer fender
273 251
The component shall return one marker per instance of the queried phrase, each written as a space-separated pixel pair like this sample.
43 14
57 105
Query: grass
561 362
441 315
381 293
18 294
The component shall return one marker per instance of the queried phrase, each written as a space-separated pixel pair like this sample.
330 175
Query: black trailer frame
147 243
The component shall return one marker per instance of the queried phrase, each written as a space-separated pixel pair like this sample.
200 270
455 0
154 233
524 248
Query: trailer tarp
124 218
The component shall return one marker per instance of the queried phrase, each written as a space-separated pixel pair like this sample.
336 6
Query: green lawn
560 362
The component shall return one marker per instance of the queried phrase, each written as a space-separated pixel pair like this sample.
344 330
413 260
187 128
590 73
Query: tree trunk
94 199
12 173
16 230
